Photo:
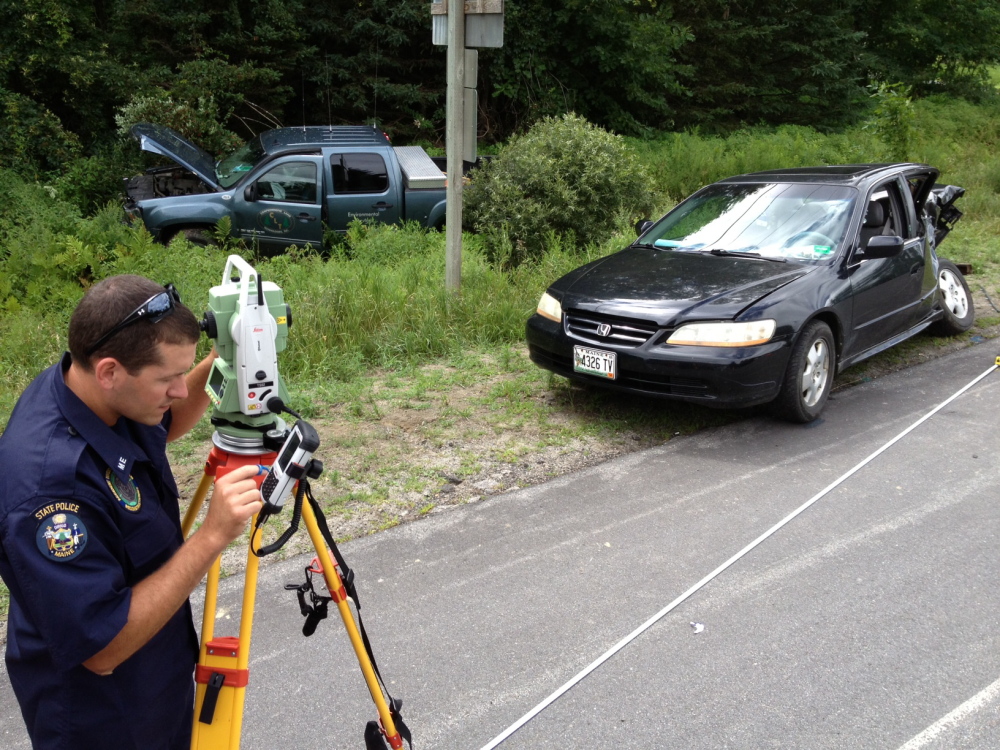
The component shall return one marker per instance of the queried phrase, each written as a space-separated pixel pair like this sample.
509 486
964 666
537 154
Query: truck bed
419 170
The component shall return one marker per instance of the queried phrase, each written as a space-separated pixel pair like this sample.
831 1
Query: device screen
217 382
291 445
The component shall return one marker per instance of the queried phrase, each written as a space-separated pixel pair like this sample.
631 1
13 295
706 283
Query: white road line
952 719
503 736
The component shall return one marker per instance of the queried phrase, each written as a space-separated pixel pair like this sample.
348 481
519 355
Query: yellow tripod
223 671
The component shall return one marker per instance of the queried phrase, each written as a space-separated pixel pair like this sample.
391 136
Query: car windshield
800 222
230 170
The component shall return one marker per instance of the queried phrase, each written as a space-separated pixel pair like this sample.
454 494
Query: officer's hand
234 501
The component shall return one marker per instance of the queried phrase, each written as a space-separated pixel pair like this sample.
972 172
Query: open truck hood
159 139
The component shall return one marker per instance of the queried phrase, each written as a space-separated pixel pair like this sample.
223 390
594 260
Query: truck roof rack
286 139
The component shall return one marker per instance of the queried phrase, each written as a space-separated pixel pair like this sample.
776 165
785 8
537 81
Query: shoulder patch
126 493
61 534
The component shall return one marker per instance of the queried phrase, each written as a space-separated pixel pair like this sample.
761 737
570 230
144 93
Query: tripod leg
196 502
223 672
336 587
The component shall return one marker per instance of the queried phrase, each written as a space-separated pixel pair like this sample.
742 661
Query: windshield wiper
743 254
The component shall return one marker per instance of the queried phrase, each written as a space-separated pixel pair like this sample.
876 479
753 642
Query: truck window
293 182
231 169
359 173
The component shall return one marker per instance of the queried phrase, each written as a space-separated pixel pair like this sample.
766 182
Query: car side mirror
250 193
882 247
642 225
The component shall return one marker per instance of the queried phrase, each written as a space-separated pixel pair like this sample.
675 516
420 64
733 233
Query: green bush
563 177
29 206
32 139
92 182
199 121
893 119
684 162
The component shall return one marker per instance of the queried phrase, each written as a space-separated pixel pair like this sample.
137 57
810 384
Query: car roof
314 136
837 174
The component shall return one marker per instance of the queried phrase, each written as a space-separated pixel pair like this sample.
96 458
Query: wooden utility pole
454 145
480 24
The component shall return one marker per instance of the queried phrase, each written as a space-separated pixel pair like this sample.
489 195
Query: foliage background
704 89
75 74
377 300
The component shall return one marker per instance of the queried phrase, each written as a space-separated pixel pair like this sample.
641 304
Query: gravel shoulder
408 445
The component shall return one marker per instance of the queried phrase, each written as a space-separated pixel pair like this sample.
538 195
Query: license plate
595 362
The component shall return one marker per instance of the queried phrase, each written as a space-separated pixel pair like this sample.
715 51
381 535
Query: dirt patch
421 444
390 456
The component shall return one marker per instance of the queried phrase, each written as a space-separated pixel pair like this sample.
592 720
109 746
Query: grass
410 383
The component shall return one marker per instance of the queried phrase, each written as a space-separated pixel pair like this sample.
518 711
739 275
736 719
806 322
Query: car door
919 183
361 187
280 206
887 292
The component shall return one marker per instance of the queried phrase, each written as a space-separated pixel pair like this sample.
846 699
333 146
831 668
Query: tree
610 62
932 46
770 61
56 55
374 62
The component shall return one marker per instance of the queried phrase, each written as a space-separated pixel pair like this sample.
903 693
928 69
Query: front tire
955 300
194 235
809 375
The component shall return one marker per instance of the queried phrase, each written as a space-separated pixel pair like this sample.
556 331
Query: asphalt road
872 620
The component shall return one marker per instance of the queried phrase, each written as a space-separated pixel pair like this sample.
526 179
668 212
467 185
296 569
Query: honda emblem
603 330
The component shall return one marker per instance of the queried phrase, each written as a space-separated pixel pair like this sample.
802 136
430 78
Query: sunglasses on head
155 309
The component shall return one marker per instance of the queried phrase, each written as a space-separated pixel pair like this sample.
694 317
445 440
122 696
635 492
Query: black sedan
761 288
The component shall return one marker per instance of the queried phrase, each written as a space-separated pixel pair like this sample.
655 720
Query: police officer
100 642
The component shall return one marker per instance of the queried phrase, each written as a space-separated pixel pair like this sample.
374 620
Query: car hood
159 139
670 287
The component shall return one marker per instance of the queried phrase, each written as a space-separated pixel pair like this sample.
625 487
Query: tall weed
684 162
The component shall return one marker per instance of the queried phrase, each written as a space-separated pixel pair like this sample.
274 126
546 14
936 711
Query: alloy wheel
953 293
816 372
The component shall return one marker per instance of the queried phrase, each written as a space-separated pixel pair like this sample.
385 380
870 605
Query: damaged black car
761 289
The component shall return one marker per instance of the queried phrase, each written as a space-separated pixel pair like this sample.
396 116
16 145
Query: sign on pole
483 23
474 23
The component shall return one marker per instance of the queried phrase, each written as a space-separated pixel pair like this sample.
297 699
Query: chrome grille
609 329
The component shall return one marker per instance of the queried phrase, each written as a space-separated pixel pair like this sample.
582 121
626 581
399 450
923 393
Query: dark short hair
109 302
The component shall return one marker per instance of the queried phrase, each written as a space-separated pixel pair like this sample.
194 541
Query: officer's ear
108 372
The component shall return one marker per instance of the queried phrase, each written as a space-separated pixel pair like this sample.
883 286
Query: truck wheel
200 237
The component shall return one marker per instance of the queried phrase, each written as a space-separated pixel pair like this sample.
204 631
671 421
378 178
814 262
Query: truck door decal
275 221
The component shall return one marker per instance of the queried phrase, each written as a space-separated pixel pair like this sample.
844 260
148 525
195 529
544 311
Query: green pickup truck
283 187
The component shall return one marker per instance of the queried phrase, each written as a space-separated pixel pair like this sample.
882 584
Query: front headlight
549 307
724 333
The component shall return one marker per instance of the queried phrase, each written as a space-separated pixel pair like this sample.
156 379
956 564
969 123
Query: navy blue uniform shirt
86 512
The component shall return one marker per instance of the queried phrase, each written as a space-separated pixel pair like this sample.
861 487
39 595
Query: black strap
292 527
347 576
373 737
316 609
212 690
